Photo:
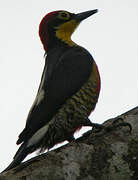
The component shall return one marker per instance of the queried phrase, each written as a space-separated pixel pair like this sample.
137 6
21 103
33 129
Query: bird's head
58 26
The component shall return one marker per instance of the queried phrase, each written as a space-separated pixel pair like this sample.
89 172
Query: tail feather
19 157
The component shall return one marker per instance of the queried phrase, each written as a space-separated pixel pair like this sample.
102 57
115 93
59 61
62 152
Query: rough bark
111 155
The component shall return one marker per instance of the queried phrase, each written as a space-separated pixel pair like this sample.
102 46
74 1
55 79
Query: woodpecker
68 91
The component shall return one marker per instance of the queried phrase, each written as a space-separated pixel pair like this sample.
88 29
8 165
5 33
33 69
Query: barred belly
72 114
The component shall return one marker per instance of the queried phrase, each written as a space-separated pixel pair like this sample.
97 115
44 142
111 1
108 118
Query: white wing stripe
38 136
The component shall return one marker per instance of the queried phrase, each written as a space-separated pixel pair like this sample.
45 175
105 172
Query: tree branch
107 155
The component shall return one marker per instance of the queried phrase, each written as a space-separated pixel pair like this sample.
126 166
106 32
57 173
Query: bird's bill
81 16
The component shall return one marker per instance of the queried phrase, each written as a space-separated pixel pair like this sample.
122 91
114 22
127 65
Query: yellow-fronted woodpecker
68 91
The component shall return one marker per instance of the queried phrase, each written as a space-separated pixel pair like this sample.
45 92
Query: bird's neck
60 37
65 37
54 42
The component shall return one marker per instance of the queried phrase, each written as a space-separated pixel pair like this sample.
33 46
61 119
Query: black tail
19 157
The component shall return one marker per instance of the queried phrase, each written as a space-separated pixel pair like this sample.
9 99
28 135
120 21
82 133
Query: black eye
64 15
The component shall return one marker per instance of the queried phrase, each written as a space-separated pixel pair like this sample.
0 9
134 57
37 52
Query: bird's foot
71 139
95 126
119 122
116 124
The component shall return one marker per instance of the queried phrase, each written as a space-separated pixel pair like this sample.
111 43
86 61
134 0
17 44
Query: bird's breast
84 101
73 112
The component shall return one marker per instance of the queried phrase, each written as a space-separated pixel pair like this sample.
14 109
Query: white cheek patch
38 136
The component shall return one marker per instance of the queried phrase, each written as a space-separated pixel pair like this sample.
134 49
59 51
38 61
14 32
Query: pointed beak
81 16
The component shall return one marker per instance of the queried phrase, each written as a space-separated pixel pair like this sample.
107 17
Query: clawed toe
116 123
97 127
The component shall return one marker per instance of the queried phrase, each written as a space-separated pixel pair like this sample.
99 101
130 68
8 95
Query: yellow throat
65 31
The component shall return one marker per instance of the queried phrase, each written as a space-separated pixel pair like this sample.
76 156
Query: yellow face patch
65 31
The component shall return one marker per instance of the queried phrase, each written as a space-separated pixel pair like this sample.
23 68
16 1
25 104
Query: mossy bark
111 155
